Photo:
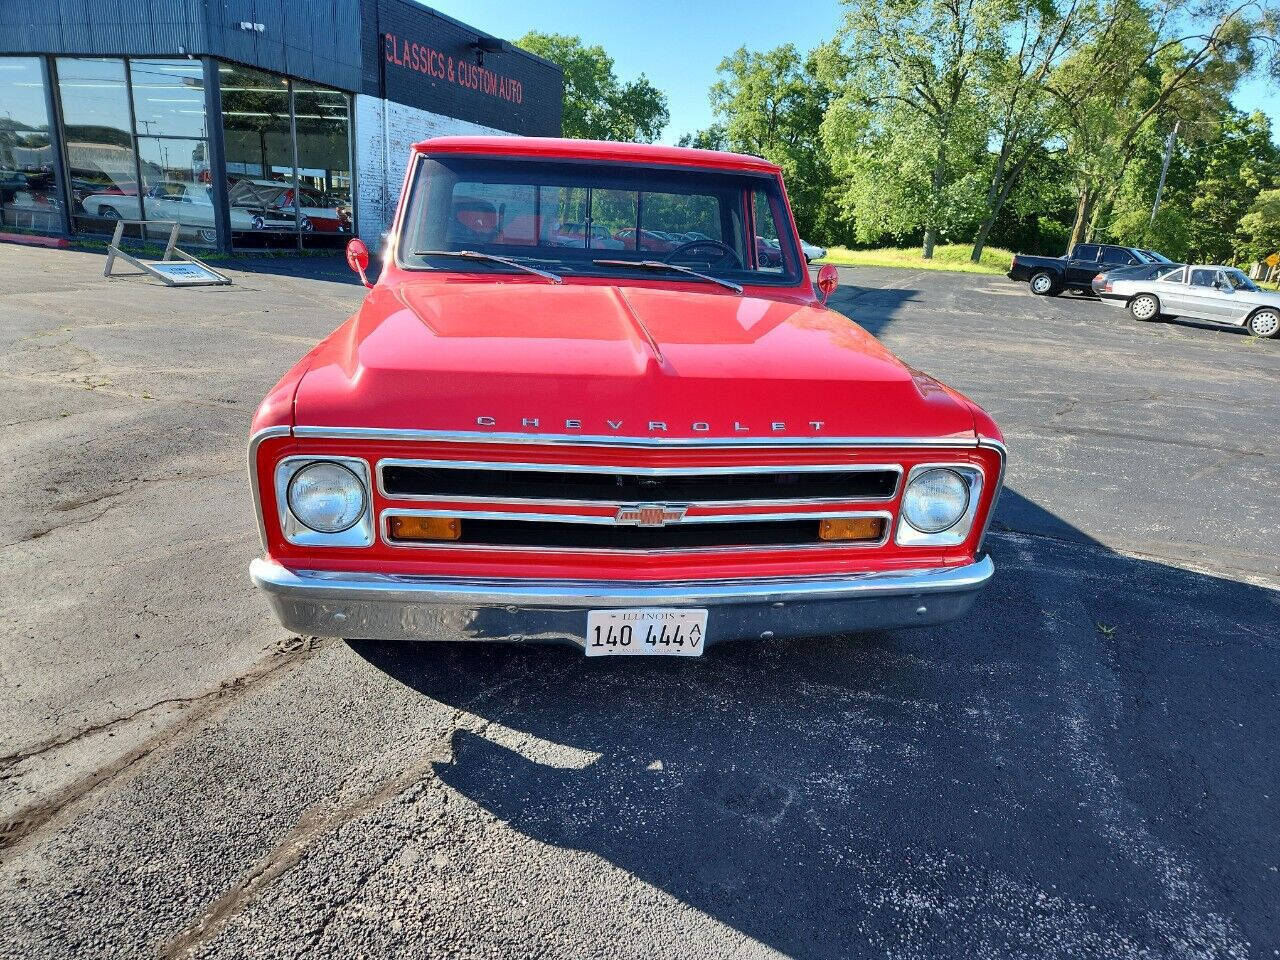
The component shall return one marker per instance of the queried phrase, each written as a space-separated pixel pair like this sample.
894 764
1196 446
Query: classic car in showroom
190 203
1197 291
634 452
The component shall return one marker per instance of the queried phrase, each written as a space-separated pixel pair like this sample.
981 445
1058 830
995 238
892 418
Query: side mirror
828 280
358 258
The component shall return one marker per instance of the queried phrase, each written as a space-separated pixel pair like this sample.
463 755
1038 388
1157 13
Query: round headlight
935 500
327 497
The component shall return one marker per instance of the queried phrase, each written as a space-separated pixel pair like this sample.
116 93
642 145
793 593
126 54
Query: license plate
646 632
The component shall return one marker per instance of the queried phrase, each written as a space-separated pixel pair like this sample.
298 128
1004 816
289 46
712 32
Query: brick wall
380 174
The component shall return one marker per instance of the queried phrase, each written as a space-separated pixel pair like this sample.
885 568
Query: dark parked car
1049 276
1144 271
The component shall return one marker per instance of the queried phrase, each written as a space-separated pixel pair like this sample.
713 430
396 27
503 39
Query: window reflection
259 155
99 142
324 164
175 186
29 195
168 98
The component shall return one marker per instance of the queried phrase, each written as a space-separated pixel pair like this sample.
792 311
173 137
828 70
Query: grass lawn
951 256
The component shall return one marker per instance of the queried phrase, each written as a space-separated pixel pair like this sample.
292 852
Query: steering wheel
727 258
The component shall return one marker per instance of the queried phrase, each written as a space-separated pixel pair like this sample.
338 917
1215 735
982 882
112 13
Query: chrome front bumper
387 607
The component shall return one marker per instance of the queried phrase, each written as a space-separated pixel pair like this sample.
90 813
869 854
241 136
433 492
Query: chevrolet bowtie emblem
650 514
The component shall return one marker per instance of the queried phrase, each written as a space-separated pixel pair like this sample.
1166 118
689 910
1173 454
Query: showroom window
98 137
29 195
173 147
136 141
258 140
323 124
272 202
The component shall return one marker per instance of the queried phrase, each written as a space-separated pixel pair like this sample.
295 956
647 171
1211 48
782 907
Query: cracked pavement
1087 766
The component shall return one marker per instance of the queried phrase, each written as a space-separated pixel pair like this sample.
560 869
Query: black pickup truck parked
1049 276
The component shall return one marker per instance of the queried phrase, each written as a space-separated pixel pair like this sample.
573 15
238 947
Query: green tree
906 74
711 138
771 105
597 105
1144 67
1259 233
1022 114
1212 184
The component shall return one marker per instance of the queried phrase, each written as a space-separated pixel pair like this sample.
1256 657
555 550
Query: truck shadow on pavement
1084 766
872 308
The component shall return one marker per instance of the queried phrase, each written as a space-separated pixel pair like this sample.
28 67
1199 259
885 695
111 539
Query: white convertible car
1198 292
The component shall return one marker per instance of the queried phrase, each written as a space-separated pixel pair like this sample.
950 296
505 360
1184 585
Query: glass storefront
135 145
97 133
173 147
323 124
29 193
268 125
257 136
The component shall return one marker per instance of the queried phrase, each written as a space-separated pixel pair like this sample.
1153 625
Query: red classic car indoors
515 439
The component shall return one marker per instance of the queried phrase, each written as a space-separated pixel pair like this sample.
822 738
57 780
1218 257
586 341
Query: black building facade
253 123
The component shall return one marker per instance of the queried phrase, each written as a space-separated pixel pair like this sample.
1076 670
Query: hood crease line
639 324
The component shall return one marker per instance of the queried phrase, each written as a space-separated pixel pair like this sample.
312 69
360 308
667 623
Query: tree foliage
907 73
597 105
771 105
1259 231
1028 123
1034 123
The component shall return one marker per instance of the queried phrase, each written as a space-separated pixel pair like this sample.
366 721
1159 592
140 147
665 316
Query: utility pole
1164 170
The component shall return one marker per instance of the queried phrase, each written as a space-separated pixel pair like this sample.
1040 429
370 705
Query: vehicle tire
109 213
1144 307
1264 323
1044 284
207 236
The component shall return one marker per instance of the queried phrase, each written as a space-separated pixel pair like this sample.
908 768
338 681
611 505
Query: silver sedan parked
1199 292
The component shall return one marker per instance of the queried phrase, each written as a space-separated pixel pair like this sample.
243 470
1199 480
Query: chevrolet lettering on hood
596 397
533 424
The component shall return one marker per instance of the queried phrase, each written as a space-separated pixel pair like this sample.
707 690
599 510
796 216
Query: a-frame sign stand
176 269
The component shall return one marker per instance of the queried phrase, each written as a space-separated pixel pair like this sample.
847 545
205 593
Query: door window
1203 276
1087 251
1117 256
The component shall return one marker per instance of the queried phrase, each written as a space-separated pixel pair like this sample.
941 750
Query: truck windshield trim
732 226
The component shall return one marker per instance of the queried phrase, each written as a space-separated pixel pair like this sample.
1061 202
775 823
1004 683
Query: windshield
1155 257
591 219
246 193
1238 280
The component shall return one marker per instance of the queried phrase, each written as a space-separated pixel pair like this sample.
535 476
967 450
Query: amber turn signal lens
851 528
424 528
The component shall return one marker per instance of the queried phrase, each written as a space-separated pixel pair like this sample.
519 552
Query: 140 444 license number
646 632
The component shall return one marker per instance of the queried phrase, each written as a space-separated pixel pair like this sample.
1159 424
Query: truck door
1082 265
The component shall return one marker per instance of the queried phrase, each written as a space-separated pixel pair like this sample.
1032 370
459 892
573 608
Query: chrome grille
583 484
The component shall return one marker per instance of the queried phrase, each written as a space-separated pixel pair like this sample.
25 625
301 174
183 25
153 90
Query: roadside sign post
176 269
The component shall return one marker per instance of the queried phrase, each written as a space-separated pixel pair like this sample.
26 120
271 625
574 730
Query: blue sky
678 43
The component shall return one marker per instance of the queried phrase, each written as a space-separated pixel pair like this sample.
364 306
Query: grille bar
420 479
524 531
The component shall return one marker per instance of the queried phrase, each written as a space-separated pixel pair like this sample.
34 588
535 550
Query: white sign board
183 274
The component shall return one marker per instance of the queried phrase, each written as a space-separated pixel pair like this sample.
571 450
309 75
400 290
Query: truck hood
529 357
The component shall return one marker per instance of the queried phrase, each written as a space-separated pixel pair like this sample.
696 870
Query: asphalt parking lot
1087 766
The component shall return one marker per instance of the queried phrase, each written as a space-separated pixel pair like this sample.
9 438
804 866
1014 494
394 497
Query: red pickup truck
633 453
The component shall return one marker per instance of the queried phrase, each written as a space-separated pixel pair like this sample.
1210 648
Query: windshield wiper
491 258
663 265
